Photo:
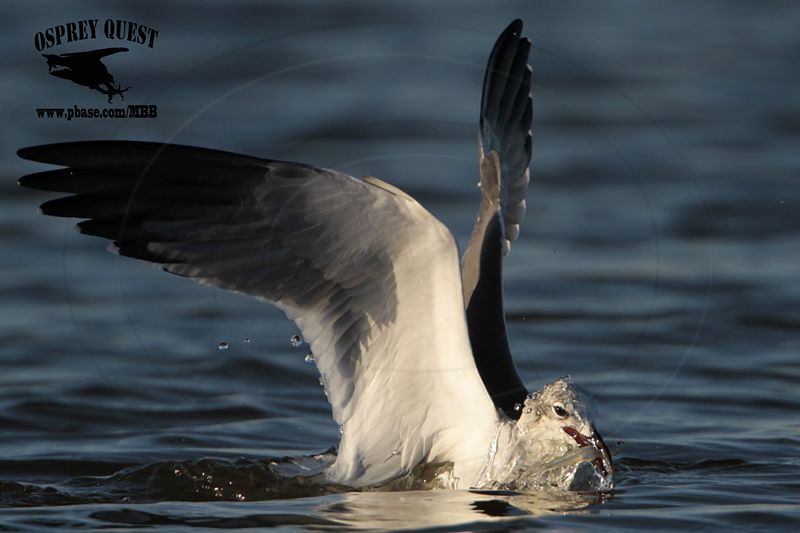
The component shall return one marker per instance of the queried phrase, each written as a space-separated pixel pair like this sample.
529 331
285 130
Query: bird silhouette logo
85 68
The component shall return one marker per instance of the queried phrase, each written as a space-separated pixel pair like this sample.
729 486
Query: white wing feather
370 277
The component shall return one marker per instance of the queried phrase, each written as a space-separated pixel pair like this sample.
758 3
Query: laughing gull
412 352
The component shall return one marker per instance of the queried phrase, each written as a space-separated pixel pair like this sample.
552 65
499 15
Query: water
656 266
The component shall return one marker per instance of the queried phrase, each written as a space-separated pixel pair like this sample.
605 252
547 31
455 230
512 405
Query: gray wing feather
505 124
234 222
505 153
370 277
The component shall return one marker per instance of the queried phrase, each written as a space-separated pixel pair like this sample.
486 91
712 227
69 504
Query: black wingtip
48 153
26 153
53 207
38 181
28 181
25 181
515 27
43 153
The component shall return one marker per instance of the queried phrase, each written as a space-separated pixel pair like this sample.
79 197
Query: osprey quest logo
85 68
63 46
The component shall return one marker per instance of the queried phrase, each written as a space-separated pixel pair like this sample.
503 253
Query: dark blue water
657 264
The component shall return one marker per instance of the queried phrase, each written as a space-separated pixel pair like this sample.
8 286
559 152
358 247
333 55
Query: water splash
296 341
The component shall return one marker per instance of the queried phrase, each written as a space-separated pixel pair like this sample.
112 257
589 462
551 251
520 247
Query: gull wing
505 152
370 277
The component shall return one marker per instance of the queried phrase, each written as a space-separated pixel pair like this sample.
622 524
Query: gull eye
560 411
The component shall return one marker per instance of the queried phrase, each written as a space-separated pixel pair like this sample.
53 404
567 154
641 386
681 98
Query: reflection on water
425 509
357 510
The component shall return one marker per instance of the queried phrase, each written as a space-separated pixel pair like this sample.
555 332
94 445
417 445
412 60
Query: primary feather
370 277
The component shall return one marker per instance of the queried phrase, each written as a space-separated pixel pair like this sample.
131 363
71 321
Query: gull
410 343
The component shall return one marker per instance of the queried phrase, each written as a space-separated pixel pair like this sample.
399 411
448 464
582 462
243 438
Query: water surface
656 266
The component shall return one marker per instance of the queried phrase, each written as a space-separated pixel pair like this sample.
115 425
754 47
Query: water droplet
782 202
395 452
247 340
309 358
517 406
554 252
223 346
341 430
321 382
296 341
479 184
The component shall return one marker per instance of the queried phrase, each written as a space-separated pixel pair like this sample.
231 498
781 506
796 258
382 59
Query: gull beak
603 464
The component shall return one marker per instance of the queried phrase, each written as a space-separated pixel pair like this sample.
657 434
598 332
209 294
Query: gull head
555 443
561 416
